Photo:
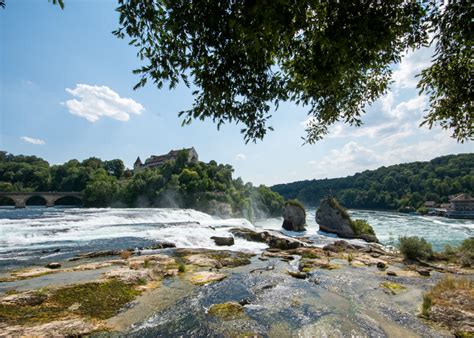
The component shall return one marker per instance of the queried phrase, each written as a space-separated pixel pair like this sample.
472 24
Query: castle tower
137 166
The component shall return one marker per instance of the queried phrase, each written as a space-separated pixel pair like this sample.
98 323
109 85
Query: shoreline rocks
274 242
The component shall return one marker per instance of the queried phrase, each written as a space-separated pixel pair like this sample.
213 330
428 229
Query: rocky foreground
290 289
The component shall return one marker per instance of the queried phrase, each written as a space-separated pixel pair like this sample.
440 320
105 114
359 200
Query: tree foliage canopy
245 57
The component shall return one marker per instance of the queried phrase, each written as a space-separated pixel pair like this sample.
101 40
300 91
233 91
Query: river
37 235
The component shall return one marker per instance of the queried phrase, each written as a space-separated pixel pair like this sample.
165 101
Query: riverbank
298 289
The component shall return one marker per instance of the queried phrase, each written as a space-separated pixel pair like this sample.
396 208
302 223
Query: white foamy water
40 228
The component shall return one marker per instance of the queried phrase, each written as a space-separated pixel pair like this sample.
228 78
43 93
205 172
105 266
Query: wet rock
214 258
221 241
203 260
283 243
424 272
244 301
339 246
32 272
381 265
249 234
298 274
273 241
333 218
391 273
307 252
294 217
30 298
307 265
227 311
96 265
95 254
205 277
129 276
75 327
161 245
53 265
279 254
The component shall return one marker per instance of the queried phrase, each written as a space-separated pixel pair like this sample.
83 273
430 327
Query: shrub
467 246
360 227
415 248
181 268
441 294
425 307
422 210
335 204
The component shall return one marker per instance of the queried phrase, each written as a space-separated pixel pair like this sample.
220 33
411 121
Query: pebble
53 265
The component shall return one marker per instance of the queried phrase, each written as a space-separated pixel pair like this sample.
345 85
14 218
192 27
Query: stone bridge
20 198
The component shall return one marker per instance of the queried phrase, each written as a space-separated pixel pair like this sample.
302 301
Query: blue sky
66 92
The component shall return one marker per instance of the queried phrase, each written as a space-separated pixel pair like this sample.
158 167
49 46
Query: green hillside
392 187
208 187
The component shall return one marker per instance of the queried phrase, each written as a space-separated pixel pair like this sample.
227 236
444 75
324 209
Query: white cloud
32 140
101 101
411 108
350 158
410 66
240 157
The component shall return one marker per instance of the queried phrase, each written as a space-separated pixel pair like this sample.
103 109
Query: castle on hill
158 160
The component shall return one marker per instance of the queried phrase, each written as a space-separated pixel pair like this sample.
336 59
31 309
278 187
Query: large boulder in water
294 216
333 218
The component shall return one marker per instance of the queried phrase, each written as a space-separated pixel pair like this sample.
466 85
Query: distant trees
397 186
174 184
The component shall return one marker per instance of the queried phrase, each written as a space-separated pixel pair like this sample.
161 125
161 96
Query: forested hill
208 187
392 187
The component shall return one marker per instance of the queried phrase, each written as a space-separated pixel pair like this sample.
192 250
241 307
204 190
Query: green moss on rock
99 300
392 287
227 311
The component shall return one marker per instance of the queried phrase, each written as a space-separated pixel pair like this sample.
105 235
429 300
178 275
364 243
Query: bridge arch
7 201
21 199
68 200
36 199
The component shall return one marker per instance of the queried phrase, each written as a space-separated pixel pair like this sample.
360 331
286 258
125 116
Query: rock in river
53 265
333 218
294 216
223 240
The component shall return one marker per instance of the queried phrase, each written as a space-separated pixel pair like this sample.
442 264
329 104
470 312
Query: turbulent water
34 235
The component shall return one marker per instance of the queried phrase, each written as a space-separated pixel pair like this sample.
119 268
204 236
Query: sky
66 91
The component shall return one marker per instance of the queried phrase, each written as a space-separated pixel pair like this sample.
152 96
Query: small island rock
294 217
333 218
223 240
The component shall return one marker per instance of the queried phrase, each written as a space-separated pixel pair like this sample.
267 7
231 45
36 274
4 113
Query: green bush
467 246
422 210
415 248
361 227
